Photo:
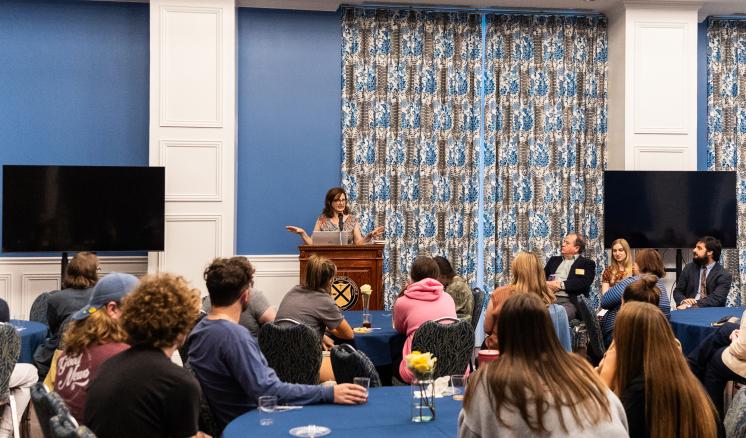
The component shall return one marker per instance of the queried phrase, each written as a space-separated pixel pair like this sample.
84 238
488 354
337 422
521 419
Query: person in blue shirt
227 360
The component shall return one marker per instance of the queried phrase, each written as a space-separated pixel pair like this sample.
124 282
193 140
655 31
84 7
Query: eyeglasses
342 200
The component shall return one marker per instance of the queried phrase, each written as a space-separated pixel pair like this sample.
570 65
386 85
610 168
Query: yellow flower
420 363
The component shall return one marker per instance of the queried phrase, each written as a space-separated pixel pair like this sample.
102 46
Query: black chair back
65 426
293 350
10 349
477 310
349 363
207 422
449 340
38 311
596 348
47 405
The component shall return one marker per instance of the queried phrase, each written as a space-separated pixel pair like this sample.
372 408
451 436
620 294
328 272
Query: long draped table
691 326
380 343
385 414
32 334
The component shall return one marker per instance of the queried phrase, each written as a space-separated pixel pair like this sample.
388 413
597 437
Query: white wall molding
198 170
275 274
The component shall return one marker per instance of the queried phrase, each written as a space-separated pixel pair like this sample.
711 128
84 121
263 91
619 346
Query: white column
193 130
653 86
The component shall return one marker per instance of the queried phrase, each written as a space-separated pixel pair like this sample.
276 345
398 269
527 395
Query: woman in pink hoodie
422 301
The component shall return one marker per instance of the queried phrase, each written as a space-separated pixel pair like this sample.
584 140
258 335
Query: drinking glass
267 406
367 321
364 382
458 383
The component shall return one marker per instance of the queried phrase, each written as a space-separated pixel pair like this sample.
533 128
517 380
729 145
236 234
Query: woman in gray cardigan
533 370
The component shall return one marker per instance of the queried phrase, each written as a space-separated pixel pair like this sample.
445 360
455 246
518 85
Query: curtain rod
568 12
727 17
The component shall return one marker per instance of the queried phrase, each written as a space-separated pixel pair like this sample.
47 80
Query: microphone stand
341 227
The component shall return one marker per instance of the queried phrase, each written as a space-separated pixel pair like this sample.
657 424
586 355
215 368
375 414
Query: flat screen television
663 209
82 208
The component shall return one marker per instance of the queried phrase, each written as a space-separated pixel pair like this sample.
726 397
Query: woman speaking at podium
336 210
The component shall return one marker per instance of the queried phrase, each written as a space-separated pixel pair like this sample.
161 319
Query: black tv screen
663 209
83 208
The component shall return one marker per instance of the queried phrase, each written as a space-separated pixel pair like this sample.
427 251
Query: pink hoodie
422 301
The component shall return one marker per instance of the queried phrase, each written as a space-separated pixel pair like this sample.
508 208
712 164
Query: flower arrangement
422 365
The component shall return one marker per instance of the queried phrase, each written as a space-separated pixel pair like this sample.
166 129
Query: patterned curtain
411 114
726 126
545 136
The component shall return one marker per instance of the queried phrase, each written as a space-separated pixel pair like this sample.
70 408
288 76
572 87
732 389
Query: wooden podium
356 265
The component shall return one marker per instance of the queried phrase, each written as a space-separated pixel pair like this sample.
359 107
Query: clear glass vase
422 404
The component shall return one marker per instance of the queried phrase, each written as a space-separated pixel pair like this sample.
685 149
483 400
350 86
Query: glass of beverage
367 320
364 382
267 406
458 384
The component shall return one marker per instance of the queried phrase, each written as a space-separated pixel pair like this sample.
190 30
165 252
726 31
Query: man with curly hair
227 359
140 392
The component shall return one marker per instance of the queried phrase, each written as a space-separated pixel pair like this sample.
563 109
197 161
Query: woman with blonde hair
527 277
620 267
535 388
660 394
311 303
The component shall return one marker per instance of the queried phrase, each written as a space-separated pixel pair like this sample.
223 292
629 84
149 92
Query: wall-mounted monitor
82 208
658 209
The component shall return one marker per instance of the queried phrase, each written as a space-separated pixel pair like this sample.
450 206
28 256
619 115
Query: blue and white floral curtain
545 136
726 126
411 114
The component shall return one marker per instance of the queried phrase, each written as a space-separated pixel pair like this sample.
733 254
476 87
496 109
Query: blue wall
74 83
289 134
702 96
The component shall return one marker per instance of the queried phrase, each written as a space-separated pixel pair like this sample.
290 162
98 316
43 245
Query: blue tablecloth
385 414
691 326
381 342
32 334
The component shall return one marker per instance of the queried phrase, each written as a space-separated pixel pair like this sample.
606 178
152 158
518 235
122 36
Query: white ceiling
708 7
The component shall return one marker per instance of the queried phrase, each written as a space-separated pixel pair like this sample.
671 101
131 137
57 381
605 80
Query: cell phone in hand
721 321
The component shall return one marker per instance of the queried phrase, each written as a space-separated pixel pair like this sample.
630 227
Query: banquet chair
65 426
449 340
38 310
47 405
10 349
206 420
477 310
292 349
348 363
735 418
596 348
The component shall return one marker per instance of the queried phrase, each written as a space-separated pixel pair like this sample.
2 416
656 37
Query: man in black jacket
703 282
570 274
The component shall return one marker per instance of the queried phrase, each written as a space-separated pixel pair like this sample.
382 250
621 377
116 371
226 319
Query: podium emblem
345 292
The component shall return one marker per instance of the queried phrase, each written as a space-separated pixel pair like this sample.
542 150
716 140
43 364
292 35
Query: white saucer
310 431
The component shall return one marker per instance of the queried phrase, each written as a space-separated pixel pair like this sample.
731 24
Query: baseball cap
113 287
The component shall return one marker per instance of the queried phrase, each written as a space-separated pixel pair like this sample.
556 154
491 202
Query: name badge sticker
580 271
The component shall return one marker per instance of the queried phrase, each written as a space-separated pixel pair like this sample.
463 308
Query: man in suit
570 274
703 282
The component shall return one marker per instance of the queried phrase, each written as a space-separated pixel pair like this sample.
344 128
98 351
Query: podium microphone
341 221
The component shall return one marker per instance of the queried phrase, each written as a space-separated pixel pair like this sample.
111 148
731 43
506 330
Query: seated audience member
311 303
140 392
227 360
535 388
80 277
645 290
456 287
720 357
94 335
660 394
620 267
527 277
647 261
703 282
258 313
423 300
570 274
22 378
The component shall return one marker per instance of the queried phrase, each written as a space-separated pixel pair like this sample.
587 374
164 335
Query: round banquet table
380 342
32 334
385 414
691 326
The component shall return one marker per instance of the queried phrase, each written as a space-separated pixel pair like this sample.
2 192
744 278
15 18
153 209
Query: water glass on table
458 384
364 382
267 406
367 321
